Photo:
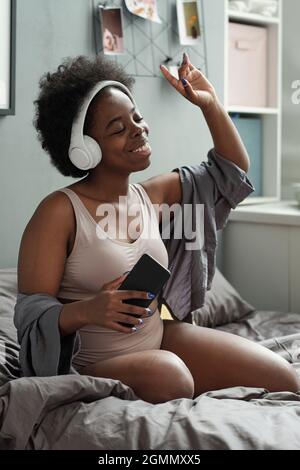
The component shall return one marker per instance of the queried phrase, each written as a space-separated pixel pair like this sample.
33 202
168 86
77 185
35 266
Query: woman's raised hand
192 84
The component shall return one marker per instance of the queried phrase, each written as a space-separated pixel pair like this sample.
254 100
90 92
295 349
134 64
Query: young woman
61 253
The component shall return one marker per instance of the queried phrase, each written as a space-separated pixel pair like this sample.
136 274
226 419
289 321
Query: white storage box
247 64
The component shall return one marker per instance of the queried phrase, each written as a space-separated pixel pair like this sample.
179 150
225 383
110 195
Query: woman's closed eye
119 132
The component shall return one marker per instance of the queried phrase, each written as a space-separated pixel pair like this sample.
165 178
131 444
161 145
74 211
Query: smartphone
146 275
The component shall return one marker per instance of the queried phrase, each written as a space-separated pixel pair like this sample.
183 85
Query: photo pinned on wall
188 16
111 26
146 9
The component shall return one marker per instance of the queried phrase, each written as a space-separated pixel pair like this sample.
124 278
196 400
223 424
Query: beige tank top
95 261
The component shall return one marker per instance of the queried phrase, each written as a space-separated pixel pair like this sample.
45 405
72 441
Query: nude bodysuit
95 260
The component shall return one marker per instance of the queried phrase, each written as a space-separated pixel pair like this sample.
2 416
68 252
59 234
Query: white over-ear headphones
84 152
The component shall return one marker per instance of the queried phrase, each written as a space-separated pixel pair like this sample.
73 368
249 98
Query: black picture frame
9 109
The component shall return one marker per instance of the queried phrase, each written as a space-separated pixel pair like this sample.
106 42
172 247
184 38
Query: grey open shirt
219 185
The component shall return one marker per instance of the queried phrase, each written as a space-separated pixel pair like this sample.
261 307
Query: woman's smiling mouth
144 150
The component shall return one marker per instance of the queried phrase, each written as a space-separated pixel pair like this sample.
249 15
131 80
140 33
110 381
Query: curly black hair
61 95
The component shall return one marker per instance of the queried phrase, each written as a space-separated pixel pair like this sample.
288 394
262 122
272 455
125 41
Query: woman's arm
227 141
73 317
43 254
194 86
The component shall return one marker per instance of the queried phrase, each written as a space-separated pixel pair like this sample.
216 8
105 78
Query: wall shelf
250 110
260 254
251 18
270 115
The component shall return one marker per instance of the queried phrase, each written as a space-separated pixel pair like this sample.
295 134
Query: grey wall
47 31
291 112
43 38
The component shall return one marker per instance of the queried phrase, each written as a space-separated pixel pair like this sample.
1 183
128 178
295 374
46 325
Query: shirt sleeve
43 351
231 185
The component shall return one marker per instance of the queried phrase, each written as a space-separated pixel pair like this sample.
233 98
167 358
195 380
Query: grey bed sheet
81 412
76 412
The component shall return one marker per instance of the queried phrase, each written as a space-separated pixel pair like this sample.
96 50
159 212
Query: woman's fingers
125 308
133 294
168 76
134 321
126 329
183 73
172 80
122 329
187 87
184 68
190 65
186 65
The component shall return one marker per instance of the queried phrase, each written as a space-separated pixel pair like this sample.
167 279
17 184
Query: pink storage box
247 61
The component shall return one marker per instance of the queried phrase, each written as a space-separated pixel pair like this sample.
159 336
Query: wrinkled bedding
80 412
77 412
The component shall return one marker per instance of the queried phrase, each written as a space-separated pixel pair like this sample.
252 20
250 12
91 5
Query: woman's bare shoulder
53 213
44 245
56 204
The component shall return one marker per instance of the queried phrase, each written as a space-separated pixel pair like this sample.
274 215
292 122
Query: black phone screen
147 275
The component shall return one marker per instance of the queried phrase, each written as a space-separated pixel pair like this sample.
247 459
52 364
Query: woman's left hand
198 90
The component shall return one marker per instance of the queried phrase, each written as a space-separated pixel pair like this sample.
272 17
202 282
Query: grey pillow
9 347
223 304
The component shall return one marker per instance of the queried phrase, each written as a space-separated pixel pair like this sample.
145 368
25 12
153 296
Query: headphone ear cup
94 151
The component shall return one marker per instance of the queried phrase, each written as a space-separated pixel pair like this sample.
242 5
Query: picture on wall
188 16
147 44
146 9
7 56
111 24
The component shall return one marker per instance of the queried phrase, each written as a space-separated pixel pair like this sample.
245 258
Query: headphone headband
84 152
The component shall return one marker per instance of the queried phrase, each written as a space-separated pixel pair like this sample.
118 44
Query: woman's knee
165 377
289 380
283 379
